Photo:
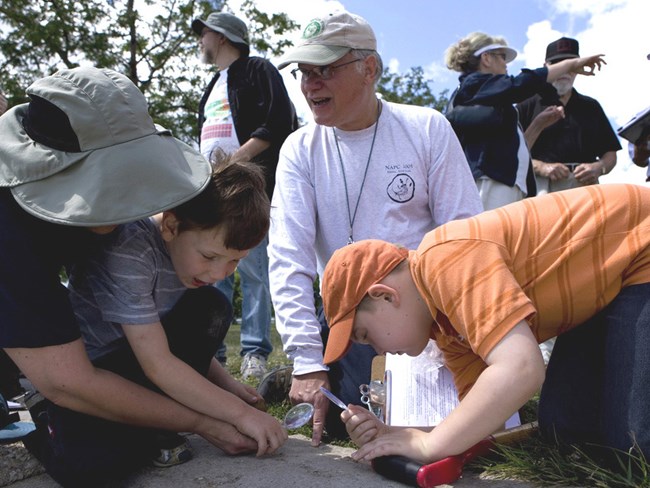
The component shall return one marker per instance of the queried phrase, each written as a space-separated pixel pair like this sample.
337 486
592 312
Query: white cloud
393 65
440 74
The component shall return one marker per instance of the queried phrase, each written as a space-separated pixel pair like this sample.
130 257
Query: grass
547 464
533 460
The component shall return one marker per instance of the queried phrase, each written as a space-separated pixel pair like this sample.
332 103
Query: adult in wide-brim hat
86 152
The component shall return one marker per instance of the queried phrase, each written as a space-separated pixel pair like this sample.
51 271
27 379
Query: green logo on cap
314 28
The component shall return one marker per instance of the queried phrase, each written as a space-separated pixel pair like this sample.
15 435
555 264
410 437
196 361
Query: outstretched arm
515 372
583 66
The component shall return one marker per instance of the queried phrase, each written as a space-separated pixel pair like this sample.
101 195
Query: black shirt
35 308
583 136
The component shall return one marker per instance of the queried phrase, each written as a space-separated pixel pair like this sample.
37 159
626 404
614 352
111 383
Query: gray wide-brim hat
127 168
329 38
227 24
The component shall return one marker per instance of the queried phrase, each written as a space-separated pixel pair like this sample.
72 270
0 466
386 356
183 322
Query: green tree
411 87
149 41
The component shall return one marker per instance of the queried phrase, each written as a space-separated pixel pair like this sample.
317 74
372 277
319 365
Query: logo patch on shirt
401 189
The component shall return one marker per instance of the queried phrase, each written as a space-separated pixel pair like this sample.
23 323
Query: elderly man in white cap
365 169
82 157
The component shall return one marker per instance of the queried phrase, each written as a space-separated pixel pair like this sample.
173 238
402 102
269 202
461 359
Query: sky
417 33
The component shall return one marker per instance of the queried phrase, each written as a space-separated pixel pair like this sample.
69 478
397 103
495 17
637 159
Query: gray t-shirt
131 280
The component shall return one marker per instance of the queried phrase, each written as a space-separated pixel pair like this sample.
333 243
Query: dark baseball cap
563 48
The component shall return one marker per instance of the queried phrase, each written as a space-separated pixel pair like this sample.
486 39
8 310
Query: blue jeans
597 387
256 302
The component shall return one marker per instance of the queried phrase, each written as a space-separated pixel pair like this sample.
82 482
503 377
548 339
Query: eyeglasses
501 55
322 72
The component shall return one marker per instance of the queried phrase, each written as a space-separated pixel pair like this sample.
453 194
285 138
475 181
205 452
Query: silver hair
365 53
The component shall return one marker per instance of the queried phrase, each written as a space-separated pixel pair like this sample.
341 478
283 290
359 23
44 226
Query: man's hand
588 173
552 171
306 388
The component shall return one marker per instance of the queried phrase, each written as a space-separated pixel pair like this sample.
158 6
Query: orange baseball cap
347 277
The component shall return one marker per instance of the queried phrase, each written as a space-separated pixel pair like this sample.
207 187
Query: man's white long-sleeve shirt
417 179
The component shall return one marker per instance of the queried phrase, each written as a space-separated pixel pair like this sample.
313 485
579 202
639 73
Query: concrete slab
296 465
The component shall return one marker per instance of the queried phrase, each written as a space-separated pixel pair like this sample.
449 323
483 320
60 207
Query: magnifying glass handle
333 398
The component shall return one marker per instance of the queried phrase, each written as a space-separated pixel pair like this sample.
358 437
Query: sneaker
253 366
276 384
174 449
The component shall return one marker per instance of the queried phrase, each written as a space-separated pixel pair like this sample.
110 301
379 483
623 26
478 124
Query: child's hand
263 428
362 425
241 390
412 443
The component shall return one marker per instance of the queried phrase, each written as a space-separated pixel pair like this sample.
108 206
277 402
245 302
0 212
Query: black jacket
260 107
493 152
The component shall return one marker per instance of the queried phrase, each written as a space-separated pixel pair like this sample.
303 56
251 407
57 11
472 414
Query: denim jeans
597 387
346 376
256 302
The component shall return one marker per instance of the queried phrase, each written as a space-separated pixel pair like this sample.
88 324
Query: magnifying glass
301 414
298 416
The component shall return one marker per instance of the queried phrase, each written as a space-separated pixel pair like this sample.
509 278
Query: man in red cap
578 148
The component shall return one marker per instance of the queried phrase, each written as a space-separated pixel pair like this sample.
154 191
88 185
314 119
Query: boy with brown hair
488 289
146 312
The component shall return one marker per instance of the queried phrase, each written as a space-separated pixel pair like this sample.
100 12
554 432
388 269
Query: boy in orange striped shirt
488 289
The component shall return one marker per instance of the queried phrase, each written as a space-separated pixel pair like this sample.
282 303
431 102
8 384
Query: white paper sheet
419 396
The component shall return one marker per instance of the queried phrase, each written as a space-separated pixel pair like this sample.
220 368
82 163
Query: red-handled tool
449 469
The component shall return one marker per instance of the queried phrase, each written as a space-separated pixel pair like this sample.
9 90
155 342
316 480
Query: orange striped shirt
554 261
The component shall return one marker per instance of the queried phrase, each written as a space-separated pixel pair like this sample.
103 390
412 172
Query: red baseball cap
347 277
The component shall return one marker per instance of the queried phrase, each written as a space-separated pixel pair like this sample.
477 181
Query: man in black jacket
246 111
